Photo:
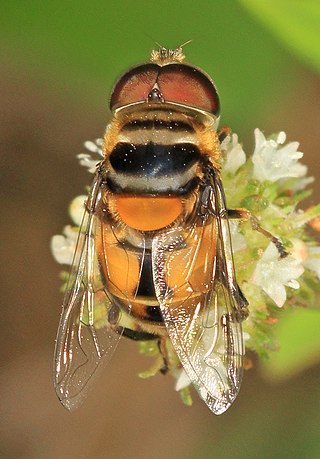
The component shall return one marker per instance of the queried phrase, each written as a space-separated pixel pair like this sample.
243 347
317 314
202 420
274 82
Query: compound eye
174 83
188 86
134 86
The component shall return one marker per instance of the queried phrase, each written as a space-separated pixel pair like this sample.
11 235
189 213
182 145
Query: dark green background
59 62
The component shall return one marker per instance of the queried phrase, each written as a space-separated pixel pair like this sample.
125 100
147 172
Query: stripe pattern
156 153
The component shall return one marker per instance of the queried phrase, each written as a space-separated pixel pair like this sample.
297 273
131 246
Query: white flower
94 147
238 240
308 256
183 381
313 260
76 209
272 274
299 250
273 162
63 245
86 159
246 336
235 156
302 183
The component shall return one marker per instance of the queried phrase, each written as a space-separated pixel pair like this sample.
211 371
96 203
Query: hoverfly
154 257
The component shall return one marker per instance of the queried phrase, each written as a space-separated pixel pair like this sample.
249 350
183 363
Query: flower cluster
271 183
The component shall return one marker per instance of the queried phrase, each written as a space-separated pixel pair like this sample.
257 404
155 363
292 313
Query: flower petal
87 161
273 162
63 246
313 260
238 240
235 156
76 209
182 381
273 273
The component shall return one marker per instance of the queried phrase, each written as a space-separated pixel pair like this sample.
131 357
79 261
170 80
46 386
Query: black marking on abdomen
137 335
152 159
154 314
146 285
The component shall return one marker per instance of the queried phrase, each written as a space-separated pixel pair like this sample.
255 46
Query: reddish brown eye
135 85
175 83
187 85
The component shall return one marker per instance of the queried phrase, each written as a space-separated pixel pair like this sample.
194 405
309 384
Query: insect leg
244 214
223 133
163 351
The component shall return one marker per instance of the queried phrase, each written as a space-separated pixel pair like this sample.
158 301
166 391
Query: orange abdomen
148 213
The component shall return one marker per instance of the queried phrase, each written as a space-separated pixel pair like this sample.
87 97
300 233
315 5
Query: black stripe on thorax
157 124
152 159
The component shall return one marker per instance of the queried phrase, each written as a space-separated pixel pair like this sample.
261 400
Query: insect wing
201 303
85 338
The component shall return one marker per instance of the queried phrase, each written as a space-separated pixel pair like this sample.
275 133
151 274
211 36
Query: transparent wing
85 337
200 300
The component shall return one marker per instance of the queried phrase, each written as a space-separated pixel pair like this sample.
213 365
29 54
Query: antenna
164 55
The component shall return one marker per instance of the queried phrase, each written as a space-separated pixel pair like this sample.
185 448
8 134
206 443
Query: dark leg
223 133
163 351
244 214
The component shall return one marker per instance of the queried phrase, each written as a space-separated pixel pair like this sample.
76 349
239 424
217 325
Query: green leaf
296 23
299 338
